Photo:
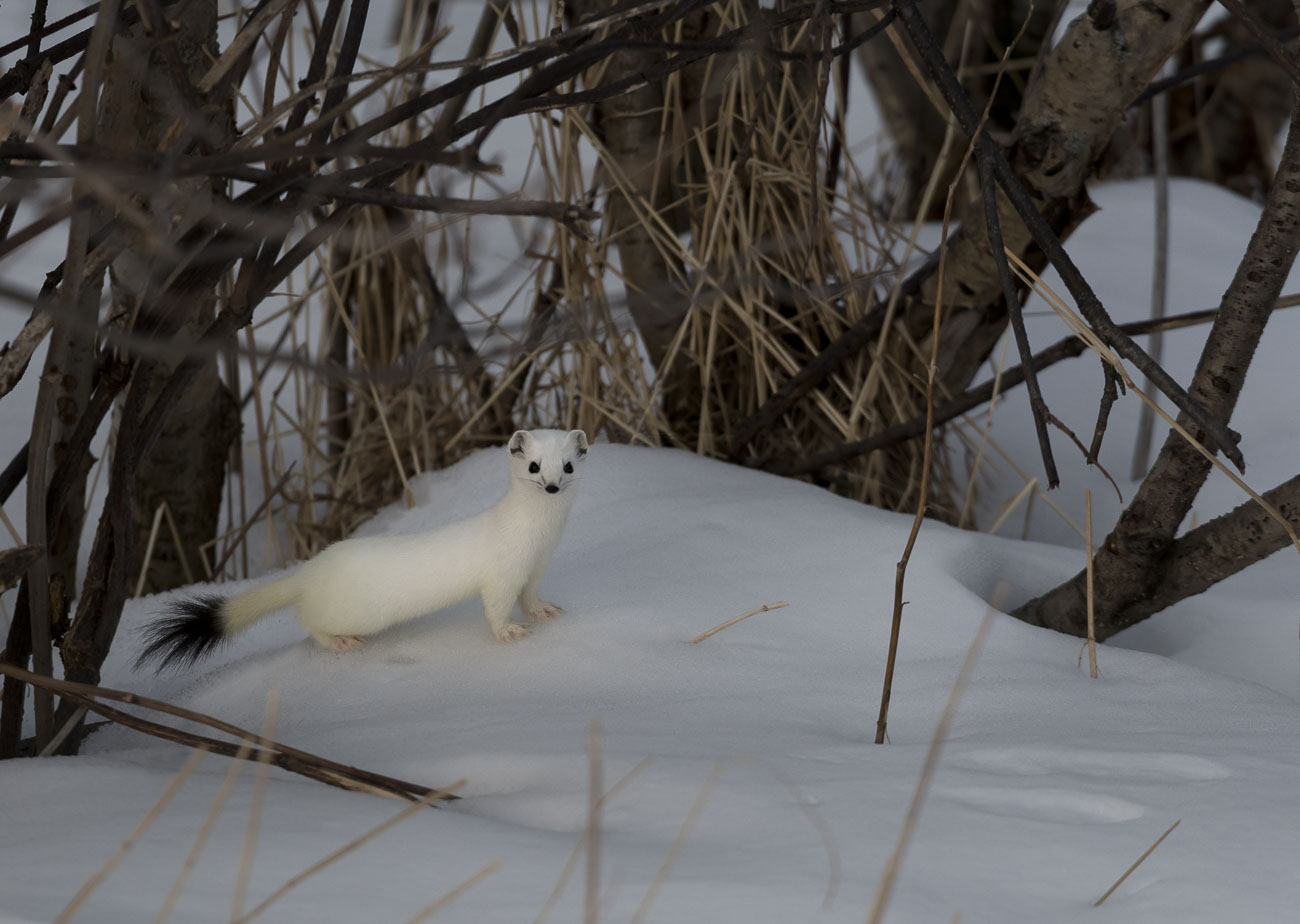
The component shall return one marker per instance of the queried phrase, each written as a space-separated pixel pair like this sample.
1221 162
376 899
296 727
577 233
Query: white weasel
358 587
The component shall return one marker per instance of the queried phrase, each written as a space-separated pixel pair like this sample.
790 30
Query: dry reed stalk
890 873
985 435
767 607
932 368
124 848
72 722
148 550
434 907
205 831
347 848
595 810
1136 863
10 528
294 760
255 805
775 270
1039 493
675 849
1010 506
1087 541
176 540
579 847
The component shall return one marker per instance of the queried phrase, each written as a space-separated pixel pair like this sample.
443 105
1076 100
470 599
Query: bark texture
1069 114
916 127
1131 563
1220 548
148 89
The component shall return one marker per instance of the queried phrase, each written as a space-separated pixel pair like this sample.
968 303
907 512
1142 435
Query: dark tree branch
1110 392
13 473
343 64
1217 434
1201 68
1266 39
820 367
1218 549
1066 348
1037 406
1132 559
35 36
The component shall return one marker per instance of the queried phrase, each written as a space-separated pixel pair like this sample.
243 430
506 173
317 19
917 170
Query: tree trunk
916 127
641 166
146 92
1132 563
915 124
1068 115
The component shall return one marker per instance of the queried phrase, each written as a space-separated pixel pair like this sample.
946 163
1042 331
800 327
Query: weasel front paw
344 642
544 610
510 631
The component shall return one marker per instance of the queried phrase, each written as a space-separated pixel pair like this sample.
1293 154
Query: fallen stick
735 619
287 758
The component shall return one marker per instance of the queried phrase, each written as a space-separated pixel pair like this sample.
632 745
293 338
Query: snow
745 784
1050 784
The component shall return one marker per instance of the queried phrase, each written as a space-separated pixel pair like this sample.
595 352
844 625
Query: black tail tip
190 631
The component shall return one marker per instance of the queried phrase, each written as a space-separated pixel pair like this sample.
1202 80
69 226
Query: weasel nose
552 488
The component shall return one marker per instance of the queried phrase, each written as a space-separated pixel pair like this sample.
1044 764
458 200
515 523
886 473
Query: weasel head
550 459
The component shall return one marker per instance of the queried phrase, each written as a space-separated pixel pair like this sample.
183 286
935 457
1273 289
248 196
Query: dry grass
429 369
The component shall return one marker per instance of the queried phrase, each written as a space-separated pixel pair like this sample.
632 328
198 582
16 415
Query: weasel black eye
568 468
534 468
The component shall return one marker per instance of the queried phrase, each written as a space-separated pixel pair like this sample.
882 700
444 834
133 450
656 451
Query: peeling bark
1069 114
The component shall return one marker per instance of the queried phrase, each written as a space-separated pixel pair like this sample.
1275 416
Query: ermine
361 586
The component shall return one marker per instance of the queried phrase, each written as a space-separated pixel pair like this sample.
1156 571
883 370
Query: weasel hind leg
337 642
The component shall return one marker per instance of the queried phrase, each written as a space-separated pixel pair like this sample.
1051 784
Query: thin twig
1037 406
679 842
595 809
1065 348
434 907
1159 274
124 848
1137 863
1267 40
346 849
1218 435
735 619
255 805
889 875
1087 542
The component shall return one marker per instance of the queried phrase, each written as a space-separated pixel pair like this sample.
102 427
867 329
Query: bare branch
1218 435
303 763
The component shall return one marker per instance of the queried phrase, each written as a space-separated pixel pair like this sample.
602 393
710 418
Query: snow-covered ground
763 798
759 738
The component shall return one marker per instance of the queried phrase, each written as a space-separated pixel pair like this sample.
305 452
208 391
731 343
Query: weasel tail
358 587
193 628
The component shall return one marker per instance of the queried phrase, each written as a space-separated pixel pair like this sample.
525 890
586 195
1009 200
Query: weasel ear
519 442
579 440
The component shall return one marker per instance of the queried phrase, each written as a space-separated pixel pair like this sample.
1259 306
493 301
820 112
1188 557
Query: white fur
358 587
